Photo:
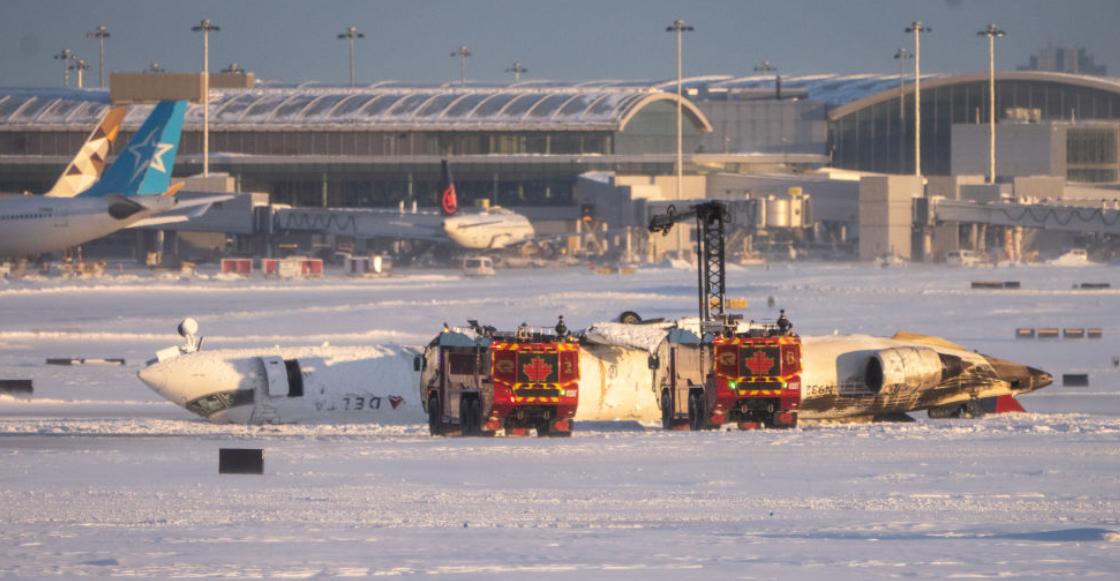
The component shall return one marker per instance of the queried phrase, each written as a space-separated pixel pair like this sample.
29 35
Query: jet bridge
359 223
1064 218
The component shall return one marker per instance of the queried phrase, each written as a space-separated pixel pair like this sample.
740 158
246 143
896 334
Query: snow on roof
389 104
525 104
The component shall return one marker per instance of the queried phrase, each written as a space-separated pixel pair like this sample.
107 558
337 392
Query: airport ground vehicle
961 258
474 266
751 377
755 381
480 383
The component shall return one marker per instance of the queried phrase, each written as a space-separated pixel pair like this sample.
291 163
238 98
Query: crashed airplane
624 371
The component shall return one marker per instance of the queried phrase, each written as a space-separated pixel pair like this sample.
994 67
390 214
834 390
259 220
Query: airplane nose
1023 379
1038 378
161 378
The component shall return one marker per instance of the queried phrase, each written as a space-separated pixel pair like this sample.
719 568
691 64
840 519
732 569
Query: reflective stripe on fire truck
757 341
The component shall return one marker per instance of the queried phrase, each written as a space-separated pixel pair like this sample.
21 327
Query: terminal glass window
1091 145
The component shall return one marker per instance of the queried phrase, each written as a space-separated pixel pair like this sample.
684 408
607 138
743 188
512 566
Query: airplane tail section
449 204
88 165
144 166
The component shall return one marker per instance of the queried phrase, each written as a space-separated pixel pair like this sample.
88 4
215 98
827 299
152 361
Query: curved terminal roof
522 106
847 93
934 81
527 105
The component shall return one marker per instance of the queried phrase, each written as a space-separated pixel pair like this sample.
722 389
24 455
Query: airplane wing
196 207
160 220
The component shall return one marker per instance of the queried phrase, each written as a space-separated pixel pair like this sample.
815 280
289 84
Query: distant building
1064 59
1081 152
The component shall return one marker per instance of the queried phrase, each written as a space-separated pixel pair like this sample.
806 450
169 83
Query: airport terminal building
521 144
518 146
525 145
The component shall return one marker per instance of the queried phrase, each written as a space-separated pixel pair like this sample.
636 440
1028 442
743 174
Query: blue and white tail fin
144 165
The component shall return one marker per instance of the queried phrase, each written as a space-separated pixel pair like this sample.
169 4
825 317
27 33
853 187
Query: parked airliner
491 229
134 188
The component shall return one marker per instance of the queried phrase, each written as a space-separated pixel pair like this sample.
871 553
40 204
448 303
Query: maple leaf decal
537 370
759 363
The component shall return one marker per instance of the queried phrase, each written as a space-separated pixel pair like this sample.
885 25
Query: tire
566 434
696 412
469 422
543 429
666 410
435 422
629 318
476 415
772 422
971 410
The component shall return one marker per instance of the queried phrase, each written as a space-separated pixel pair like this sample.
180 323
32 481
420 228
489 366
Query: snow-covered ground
102 477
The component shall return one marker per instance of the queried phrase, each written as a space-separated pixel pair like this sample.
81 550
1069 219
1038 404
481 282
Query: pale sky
292 41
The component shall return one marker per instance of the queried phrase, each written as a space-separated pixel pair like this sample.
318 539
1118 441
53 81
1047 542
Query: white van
961 258
478 266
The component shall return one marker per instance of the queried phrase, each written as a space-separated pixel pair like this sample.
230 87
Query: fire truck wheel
666 411
543 429
469 422
435 422
554 433
774 420
696 411
475 411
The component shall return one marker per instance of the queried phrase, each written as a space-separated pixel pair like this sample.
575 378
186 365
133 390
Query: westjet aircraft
135 188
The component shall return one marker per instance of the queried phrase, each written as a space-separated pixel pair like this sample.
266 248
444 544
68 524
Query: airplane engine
902 369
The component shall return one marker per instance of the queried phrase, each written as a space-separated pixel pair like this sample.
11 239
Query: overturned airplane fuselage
845 377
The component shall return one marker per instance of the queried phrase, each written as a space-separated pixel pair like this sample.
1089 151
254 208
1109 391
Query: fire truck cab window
461 363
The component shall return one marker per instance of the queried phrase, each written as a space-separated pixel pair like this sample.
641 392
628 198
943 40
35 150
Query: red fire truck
755 381
751 378
481 383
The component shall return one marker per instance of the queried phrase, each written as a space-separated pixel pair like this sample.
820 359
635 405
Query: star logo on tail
149 153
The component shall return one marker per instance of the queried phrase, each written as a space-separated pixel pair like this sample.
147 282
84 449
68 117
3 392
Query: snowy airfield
102 477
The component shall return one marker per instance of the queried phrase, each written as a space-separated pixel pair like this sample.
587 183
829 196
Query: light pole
100 33
350 34
79 65
65 57
680 28
991 32
517 69
766 68
901 55
917 29
205 27
462 53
